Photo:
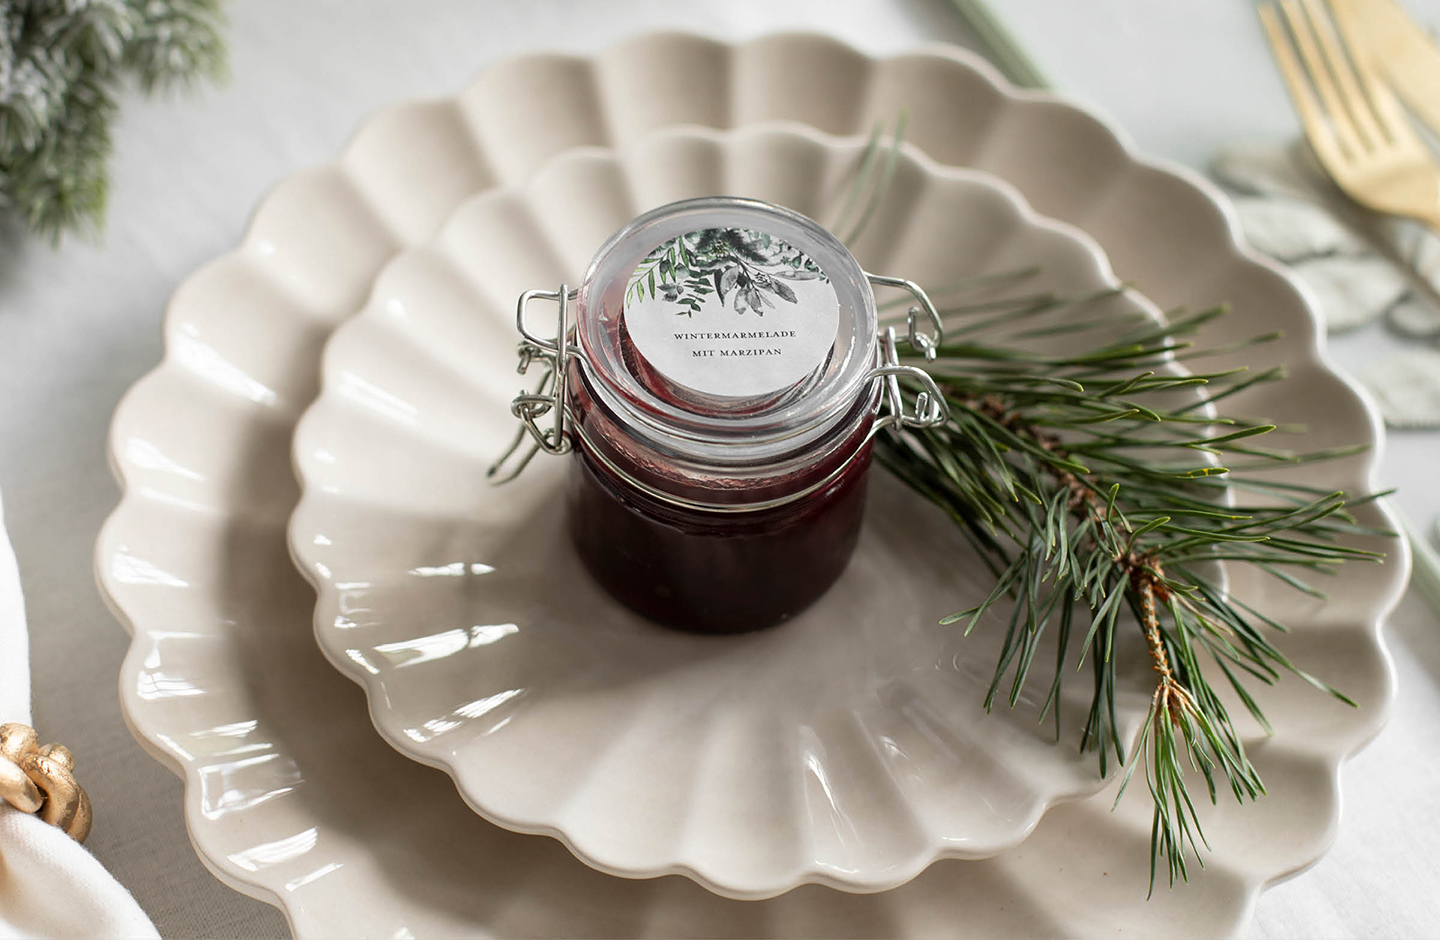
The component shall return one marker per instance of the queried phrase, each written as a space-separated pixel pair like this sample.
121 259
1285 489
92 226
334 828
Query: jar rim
798 414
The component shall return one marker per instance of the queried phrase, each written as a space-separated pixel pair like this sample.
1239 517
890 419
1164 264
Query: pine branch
61 67
177 42
61 186
1082 481
1081 489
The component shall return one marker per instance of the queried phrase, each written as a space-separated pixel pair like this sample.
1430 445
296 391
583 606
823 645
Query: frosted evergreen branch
62 65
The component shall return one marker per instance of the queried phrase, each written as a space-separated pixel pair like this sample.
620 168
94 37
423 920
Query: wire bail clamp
549 395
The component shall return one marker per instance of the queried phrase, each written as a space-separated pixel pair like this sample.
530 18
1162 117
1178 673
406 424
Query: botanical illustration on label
731 311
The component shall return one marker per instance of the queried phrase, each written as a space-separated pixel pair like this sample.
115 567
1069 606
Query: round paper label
731 312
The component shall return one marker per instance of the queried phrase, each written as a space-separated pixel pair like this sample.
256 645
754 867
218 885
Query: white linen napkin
50 885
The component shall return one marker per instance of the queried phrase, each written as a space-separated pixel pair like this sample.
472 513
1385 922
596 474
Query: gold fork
1355 125
1363 139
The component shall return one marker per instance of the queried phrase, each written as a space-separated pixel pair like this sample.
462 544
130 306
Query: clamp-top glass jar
719 385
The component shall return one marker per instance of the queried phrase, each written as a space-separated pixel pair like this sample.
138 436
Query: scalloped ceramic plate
290 794
846 748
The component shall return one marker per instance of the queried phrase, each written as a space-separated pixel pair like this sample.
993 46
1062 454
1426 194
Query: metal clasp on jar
549 395
931 408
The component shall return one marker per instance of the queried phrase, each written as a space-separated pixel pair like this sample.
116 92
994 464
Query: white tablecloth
78 326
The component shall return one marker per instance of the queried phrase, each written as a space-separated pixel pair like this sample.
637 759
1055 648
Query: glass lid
724 321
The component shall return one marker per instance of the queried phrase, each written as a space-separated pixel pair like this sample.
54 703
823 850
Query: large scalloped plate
292 797
845 749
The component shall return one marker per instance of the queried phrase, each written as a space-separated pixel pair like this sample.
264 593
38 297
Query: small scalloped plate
847 747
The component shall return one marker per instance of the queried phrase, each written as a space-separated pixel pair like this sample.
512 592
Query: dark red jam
708 495
707 571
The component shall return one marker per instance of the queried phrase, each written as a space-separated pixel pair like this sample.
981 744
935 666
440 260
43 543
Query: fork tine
1386 107
1322 139
1319 71
1343 67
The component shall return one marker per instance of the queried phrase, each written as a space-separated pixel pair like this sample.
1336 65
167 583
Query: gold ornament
40 779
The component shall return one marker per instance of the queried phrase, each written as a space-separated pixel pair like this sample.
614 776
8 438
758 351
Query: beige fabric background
78 326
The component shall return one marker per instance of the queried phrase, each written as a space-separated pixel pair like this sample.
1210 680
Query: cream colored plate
290 794
846 748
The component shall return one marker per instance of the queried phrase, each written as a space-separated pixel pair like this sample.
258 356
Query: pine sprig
176 43
1089 498
61 65
1090 483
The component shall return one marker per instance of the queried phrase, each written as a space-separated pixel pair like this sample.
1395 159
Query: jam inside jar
708 571
719 389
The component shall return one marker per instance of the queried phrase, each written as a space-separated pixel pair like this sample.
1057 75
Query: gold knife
1403 52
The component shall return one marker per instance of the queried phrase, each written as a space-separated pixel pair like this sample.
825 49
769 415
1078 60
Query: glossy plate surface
290 794
846 747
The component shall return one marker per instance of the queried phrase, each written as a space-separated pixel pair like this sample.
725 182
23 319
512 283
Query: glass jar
719 387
